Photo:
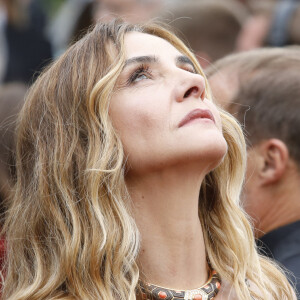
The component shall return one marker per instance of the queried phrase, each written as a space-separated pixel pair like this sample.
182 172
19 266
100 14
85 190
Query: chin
206 152
218 160
214 154
206 156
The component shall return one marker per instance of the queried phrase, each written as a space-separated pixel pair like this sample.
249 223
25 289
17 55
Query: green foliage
51 6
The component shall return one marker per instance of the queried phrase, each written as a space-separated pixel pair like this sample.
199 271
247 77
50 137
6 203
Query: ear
275 156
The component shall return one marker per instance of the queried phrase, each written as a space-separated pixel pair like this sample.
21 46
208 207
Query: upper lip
197 114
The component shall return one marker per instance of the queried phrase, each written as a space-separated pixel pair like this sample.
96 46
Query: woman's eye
141 77
139 74
191 70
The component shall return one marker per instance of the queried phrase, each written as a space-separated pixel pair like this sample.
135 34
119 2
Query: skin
133 11
271 191
166 162
254 32
224 87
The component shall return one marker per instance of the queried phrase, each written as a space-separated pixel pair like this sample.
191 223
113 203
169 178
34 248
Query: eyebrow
141 59
151 59
182 59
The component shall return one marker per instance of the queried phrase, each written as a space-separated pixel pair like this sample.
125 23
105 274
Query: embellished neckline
208 291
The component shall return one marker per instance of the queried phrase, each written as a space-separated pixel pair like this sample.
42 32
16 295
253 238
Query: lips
197 114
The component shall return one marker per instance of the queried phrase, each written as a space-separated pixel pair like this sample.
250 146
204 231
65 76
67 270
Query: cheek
128 120
216 114
136 123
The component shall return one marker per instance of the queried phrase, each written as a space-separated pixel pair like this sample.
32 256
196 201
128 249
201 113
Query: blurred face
132 11
160 111
224 85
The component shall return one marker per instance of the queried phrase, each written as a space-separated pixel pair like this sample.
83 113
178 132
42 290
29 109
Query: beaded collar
206 292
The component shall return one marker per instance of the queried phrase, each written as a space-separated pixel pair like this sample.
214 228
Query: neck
166 212
284 207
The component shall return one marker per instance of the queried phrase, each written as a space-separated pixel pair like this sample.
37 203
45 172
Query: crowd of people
149 149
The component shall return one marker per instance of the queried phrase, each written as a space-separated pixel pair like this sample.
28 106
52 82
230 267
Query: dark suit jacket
283 244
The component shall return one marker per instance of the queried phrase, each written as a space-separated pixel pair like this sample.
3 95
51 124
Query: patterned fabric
206 292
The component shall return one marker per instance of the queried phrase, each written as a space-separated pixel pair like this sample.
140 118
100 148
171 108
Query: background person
11 101
75 17
261 88
24 48
210 27
271 23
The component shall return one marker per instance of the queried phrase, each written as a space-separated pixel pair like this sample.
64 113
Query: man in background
210 27
261 88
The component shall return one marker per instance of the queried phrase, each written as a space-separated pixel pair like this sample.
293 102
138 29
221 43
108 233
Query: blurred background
34 32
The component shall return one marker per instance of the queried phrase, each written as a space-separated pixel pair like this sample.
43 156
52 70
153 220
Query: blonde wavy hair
69 229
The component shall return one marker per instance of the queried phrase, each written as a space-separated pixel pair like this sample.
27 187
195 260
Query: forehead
138 44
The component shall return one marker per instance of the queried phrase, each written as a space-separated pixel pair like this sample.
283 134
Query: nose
190 86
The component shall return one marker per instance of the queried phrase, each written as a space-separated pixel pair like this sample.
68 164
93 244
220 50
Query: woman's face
160 111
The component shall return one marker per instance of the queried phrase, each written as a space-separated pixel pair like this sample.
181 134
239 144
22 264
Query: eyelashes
141 73
190 69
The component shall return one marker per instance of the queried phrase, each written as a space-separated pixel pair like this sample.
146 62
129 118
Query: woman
114 142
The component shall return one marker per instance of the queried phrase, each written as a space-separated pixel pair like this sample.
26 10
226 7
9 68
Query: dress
283 244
